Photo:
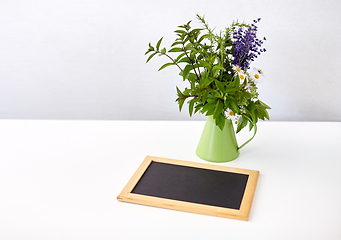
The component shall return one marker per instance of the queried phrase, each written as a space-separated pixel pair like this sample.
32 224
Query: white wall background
84 59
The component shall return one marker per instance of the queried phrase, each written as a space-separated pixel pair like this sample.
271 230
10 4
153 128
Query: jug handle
255 130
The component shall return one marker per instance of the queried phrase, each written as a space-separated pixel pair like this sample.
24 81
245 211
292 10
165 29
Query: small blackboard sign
192 187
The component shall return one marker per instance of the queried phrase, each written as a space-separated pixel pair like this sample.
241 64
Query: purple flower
246 46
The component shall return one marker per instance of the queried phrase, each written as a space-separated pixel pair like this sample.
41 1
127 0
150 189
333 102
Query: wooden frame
242 214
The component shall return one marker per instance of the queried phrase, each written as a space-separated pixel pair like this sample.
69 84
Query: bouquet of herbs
216 67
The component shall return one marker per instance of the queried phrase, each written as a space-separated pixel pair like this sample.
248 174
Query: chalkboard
193 187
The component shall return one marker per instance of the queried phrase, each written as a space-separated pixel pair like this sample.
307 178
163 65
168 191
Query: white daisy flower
241 74
257 74
242 77
237 69
231 115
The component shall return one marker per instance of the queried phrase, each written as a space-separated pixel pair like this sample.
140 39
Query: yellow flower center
256 76
241 77
231 113
238 69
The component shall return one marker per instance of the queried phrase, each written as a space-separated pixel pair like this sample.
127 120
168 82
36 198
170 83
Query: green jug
218 145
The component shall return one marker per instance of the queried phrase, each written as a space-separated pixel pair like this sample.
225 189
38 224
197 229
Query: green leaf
187 92
266 114
260 110
179 57
212 59
147 52
210 111
176 43
220 121
220 85
207 107
150 57
196 30
191 106
216 69
260 114
198 107
235 83
186 71
189 47
217 94
203 37
251 107
176 49
205 65
231 90
208 81
180 94
163 51
218 109
251 126
181 103
151 48
212 100
192 77
184 59
242 122
181 98
180 31
250 110
187 26
233 105
165 65
158 44
181 37
204 96
263 104
192 80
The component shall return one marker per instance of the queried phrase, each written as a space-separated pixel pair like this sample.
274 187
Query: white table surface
60 180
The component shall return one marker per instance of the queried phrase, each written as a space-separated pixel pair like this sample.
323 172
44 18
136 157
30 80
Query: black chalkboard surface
193 187
190 184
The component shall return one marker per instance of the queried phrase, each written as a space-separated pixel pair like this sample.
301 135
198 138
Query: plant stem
195 57
171 59
184 49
